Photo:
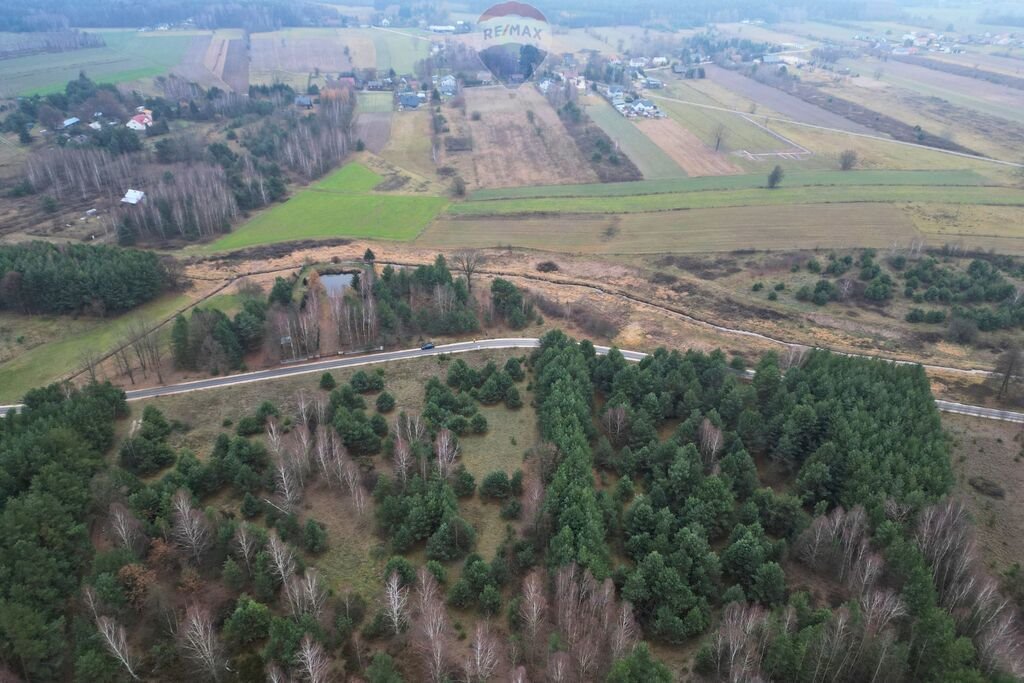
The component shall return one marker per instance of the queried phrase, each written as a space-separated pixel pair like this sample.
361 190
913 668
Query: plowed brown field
686 149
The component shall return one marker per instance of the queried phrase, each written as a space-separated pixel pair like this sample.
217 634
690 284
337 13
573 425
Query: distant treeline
20 45
56 15
579 13
40 277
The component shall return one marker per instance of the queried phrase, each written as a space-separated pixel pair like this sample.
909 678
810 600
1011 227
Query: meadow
127 56
340 205
887 193
39 349
355 556
739 182
691 231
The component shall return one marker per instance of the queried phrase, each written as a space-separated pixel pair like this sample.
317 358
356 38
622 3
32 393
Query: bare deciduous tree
115 639
191 530
432 631
282 558
314 663
246 544
307 594
198 639
719 133
710 442
483 654
402 460
446 447
468 261
533 611
396 597
126 529
615 422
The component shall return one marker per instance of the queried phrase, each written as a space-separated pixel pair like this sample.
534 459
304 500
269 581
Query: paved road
461 347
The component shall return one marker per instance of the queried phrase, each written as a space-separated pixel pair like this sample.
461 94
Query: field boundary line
827 129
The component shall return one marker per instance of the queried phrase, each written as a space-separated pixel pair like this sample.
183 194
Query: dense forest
40 277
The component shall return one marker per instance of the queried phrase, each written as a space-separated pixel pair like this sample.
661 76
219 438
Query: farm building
140 122
447 85
133 197
68 123
409 100
304 102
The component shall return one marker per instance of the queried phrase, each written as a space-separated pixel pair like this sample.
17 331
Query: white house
133 197
140 122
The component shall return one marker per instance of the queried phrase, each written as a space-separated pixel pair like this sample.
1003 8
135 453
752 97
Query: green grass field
995 196
59 342
398 51
340 205
375 102
647 156
128 56
740 134
739 182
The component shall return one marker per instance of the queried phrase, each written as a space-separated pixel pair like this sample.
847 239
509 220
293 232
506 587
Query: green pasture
127 56
340 205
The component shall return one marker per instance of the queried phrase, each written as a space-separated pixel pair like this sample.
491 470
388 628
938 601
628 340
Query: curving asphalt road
460 347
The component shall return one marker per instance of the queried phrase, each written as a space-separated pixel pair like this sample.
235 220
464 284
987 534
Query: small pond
337 283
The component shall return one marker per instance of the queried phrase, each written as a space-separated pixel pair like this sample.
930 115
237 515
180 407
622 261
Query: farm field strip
397 50
692 231
996 196
375 102
702 115
686 149
880 138
340 205
128 56
512 147
652 161
740 182
971 93
781 103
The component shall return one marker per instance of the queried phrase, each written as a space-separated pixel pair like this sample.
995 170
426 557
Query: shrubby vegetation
681 539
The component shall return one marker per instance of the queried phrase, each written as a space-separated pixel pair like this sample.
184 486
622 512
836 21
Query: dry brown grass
686 149
290 51
510 151
992 451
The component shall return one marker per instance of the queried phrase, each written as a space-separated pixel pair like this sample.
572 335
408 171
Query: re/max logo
512 30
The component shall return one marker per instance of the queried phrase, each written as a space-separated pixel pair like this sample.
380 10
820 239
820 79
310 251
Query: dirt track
193 66
236 66
686 149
